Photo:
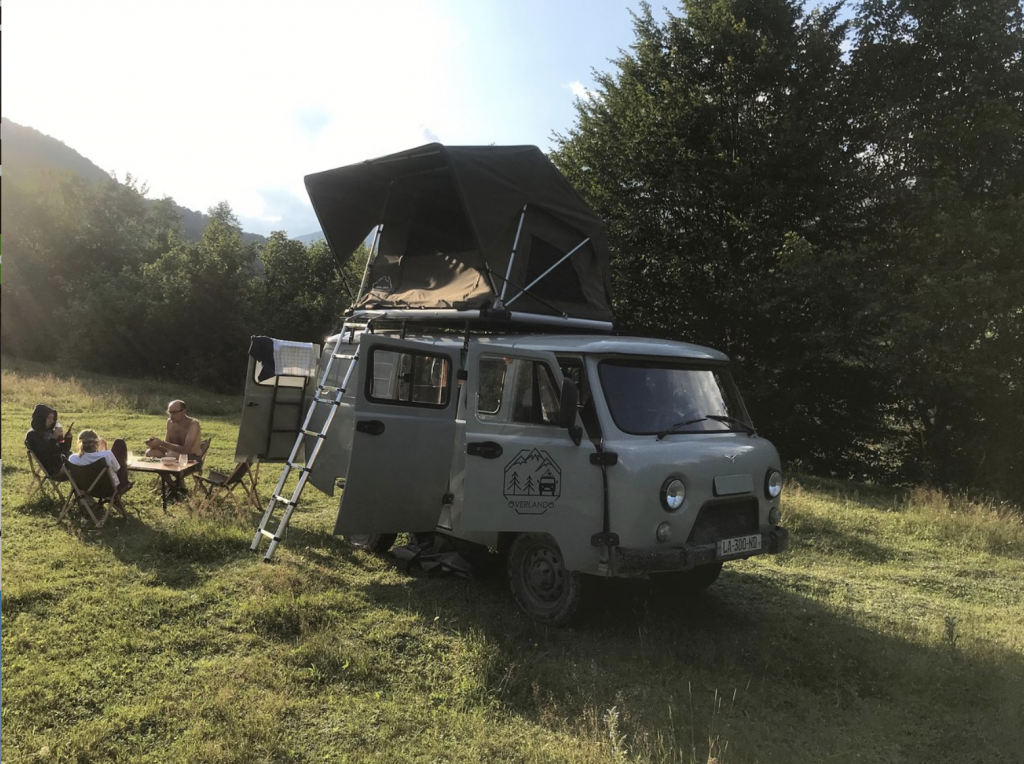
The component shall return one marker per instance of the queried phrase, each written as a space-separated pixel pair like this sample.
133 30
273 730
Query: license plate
738 545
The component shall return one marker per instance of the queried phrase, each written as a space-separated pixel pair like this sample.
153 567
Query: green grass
893 631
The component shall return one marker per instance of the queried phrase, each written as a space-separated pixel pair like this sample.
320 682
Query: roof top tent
468 233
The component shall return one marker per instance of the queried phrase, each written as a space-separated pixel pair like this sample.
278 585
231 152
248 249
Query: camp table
171 475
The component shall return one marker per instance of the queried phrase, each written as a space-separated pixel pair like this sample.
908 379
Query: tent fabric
450 217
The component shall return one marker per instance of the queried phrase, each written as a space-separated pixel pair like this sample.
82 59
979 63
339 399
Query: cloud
279 209
582 92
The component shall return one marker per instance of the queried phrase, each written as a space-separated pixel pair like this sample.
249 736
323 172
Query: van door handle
370 426
488 450
250 404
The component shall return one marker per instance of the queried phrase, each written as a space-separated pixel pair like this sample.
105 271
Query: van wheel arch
541 585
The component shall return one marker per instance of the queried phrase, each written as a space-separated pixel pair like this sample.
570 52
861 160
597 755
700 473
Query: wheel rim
544 575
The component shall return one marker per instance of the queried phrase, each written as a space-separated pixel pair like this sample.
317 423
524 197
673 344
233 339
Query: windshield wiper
733 420
713 417
677 425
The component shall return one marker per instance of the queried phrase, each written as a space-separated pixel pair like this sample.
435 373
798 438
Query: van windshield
648 397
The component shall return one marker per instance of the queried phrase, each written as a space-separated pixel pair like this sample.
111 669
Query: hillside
893 630
28 152
310 238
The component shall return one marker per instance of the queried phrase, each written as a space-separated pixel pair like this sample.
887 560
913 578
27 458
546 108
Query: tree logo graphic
533 473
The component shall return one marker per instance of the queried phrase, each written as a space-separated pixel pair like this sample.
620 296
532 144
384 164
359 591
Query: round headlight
773 484
672 494
664 532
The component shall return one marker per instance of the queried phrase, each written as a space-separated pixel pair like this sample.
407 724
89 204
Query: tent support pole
369 261
512 257
533 283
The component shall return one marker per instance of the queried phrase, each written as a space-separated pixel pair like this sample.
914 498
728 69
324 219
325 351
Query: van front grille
723 520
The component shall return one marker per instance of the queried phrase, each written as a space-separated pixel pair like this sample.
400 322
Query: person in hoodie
46 440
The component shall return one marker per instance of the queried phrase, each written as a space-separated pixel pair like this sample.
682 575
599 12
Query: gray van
537 432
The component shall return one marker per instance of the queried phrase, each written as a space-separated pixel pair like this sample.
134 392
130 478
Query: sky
238 101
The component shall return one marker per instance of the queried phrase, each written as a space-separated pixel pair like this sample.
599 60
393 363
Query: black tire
377 543
689 582
540 584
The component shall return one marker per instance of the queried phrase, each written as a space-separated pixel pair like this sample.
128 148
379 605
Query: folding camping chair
51 487
243 475
92 490
204 446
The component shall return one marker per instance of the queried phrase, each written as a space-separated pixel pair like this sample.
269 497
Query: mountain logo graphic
533 473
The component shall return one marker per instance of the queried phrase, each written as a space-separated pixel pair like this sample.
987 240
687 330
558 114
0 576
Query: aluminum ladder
325 395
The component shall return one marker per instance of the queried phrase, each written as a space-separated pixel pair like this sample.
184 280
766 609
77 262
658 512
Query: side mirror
567 404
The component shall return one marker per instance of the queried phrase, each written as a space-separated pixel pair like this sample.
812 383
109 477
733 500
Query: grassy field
893 631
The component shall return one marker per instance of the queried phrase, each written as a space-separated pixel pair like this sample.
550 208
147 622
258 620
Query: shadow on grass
179 554
641 649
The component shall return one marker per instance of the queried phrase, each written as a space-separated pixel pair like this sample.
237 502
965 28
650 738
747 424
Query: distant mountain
310 238
28 151
313 238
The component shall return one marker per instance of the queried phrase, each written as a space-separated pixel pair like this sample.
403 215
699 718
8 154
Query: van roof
585 343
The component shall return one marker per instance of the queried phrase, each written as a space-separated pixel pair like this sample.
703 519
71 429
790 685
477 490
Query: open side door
402 436
272 413
523 471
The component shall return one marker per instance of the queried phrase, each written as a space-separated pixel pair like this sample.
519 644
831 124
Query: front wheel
376 543
540 583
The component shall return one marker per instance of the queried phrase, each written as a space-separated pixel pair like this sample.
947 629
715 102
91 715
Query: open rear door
403 436
273 412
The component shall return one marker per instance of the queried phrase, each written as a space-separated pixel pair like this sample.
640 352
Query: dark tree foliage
846 225
940 87
725 133
303 292
99 279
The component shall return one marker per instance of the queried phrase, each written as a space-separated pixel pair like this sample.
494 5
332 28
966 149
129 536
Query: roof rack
483 320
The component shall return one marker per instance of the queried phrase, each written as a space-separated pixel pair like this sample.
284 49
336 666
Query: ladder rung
330 401
268 534
343 356
282 500
314 434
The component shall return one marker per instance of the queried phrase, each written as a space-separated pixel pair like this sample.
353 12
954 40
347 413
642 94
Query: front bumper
629 562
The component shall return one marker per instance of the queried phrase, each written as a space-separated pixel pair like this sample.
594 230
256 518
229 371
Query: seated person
47 441
92 448
183 434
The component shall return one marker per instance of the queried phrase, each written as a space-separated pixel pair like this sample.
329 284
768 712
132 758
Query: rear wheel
540 583
377 543
689 582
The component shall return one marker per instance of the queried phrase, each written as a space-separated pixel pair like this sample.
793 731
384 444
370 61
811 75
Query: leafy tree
848 228
66 239
201 298
304 294
724 136
940 87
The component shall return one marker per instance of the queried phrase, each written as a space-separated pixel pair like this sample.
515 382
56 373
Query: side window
534 395
417 379
492 384
281 380
572 369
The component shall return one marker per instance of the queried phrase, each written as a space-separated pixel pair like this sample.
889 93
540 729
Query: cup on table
182 459
131 456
